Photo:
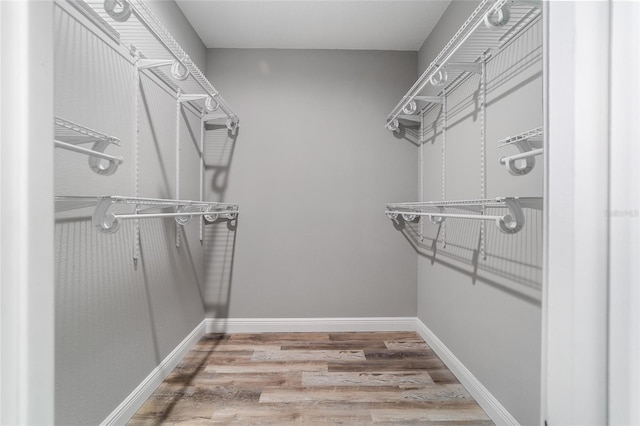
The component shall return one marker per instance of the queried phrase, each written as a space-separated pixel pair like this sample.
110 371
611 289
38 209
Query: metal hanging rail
527 143
157 51
491 25
436 211
181 210
69 135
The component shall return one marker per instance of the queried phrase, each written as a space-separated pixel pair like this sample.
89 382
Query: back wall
312 168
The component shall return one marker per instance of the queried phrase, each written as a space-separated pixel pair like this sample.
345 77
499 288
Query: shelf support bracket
430 99
144 64
527 153
513 222
472 67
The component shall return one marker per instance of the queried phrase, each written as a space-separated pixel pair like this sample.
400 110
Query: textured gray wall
115 320
487 312
312 168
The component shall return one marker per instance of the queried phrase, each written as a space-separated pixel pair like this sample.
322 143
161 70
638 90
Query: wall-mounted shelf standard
491 25
155 50
69 135
436 211
529 144
181 210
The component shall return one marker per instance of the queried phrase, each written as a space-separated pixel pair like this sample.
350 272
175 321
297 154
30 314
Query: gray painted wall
487 312
312 168
115 319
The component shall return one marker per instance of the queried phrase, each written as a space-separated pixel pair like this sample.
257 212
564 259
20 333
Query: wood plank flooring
311 378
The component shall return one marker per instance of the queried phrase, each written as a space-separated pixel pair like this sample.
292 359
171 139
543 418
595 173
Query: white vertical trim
624 276
26 189
545 213
480 393
577 247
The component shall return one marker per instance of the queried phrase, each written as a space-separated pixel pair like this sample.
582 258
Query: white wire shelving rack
131 23
155 53
490 26
71 136
182 211
438 211
529 144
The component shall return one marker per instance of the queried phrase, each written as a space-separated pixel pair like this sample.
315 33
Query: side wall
117 319
312 168
487 312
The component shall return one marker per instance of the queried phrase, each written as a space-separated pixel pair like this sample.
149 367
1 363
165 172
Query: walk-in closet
319 212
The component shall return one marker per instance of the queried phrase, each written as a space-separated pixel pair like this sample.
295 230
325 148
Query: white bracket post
202 159
136 149
421 171
443 230
178 111
483 151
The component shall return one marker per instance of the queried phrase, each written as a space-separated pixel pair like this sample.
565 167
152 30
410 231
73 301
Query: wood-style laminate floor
311 378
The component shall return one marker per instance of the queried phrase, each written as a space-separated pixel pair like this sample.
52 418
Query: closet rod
511 158
509 223
444 215
182 214
90 152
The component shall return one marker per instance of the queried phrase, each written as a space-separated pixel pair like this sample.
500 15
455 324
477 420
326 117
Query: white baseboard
334 325
481 394
140 394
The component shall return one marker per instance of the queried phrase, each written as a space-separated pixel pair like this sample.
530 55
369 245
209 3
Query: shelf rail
69 135
436 211
181 210
529 145
490 25
161 54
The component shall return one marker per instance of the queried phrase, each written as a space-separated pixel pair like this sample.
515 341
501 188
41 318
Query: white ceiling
314 24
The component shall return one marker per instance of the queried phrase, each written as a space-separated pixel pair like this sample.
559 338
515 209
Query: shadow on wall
219 240
513 261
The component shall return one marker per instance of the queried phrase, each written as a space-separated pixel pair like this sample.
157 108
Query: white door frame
591 330
27 344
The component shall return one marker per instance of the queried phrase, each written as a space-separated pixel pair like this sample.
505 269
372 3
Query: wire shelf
528 135
145 36
69 136
70 132
475 39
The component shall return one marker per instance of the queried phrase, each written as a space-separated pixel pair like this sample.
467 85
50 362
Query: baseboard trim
481 394
334 325
123 413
